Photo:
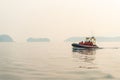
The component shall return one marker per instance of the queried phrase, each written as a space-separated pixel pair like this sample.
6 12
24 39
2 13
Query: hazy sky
59 19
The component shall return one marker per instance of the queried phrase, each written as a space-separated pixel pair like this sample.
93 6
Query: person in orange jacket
81 43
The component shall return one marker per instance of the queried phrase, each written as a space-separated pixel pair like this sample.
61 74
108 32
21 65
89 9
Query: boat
89 43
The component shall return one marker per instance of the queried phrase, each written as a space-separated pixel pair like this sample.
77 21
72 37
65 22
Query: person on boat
93 40
89 43
81 43
86 41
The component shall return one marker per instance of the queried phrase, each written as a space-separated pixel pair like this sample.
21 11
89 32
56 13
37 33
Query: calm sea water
57 61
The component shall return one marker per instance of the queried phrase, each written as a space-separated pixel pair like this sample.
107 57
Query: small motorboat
89 43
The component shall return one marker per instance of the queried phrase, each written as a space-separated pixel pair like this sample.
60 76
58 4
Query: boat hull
79 46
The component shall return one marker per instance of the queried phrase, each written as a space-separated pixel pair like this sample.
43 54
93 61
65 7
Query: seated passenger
81 42
91 44
86 43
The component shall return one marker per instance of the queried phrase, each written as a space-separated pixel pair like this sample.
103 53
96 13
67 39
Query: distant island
99 39
38 40
6 38
108 39
75 39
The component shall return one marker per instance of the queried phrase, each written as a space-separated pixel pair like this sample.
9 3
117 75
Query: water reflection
85 58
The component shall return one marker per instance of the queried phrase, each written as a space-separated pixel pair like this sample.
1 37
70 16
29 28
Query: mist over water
57 61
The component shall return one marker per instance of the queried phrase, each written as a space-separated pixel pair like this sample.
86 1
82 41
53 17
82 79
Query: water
57 61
